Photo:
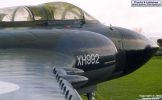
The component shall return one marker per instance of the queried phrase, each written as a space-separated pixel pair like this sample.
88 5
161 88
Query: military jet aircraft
55 50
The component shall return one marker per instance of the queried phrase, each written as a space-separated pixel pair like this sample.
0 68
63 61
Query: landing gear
89 92
91 96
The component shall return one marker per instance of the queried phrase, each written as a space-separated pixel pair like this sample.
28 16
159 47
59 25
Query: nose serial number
88 59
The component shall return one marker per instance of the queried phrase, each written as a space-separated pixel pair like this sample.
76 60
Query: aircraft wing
33 74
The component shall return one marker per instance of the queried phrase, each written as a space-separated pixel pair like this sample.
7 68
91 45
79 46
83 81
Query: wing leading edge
27 74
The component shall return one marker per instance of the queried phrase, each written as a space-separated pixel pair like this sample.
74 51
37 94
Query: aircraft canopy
47 11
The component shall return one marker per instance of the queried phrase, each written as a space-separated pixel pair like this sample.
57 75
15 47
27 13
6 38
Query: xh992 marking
88 59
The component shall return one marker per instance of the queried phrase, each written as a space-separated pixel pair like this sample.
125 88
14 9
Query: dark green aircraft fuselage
103 52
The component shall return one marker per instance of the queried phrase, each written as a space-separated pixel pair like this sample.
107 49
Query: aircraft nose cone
136 51
142 52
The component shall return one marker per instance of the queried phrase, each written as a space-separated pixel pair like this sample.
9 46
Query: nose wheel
89 92
91 96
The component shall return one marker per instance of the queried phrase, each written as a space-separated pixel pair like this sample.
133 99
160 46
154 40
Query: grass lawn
145 81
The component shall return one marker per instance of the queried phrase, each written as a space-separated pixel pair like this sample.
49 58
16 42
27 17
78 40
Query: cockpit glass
15 14
48 11
89 18
38 13
22 14
63 11
6 14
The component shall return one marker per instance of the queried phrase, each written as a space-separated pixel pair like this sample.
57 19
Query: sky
114 12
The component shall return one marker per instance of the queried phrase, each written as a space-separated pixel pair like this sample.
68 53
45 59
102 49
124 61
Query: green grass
145 81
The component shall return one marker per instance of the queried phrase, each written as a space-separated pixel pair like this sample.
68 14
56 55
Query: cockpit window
15 14
88 17
22 14
38 13
63 11
6 14
49 11
72 13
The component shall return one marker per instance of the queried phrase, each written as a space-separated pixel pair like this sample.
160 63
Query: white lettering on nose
84 60
97 59
88 59
79 60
